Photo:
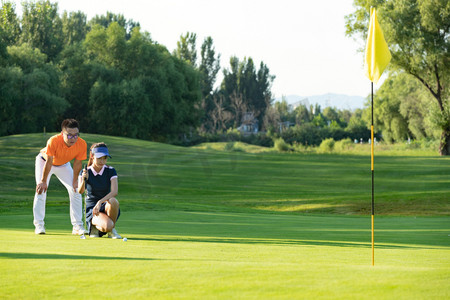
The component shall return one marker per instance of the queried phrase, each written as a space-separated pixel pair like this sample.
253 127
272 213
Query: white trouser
65 175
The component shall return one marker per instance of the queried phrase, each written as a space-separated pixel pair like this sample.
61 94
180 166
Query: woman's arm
81 181
113 193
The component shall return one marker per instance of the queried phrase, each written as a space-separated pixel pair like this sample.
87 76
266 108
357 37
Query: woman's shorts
89 215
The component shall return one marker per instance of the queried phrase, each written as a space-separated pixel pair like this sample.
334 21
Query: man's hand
77 164
75 185
41 187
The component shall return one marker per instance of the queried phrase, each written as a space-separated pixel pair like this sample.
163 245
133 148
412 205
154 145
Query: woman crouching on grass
100 182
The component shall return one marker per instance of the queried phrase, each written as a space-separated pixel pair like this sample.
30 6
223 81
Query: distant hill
338 101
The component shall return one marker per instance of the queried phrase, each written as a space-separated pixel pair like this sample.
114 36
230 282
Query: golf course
204 222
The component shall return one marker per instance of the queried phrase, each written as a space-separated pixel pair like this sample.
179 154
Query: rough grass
153 175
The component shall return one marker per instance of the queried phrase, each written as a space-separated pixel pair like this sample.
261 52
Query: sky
302 42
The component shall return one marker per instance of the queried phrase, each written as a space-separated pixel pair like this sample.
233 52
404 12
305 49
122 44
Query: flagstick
373 206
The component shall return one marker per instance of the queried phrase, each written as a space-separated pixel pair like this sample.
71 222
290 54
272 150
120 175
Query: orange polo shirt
61 152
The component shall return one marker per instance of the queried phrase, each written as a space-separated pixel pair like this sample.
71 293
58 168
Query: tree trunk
444 146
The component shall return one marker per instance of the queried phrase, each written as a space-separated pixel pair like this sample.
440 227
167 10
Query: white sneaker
78 230
94 232
113 234
40 229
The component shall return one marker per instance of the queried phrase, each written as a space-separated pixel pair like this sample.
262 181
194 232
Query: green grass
153 175
213 224
191 255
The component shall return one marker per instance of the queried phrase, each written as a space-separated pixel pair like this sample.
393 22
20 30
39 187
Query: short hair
69 123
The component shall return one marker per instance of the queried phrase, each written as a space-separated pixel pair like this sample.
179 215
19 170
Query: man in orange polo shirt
55 159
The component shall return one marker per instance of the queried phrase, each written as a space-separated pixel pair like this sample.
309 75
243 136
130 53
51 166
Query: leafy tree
78 77
403 109
187 49
344 117
285 111
74 27
109 18
417 32
319 121
95 43
42 27
37 100
254 86
165 87
302 114
331 114
209 66
140 50
9 23
10 89
113 104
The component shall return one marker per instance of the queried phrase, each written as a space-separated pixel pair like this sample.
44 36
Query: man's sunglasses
72 136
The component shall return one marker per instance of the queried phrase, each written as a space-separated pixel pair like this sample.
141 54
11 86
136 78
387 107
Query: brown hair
91 155
69 123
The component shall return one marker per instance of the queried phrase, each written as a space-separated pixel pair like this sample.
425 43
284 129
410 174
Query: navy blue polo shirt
98 185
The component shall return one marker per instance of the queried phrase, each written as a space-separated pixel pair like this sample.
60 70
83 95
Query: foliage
31 95
186 48
343 145
280 145
42 27
109 18
101 73
403 109
417 32
243 81
327 145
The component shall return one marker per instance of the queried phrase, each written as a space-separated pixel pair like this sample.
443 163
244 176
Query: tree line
116 80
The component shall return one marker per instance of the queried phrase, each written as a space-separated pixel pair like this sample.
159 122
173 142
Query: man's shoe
113 234
94 232
78 230
40 229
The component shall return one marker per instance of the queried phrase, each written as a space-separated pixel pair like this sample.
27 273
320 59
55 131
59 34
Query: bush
280 145
343 145
229 146
327 146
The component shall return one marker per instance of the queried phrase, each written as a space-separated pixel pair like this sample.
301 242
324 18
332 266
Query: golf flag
377 59
377 51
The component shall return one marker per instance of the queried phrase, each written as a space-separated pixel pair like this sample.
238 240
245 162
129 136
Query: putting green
191 255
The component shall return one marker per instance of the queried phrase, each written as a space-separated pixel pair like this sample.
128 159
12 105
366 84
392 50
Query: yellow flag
377 51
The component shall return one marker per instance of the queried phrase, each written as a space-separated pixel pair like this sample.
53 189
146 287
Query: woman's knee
103 222
113 202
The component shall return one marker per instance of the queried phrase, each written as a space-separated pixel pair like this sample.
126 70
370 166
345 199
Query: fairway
207 224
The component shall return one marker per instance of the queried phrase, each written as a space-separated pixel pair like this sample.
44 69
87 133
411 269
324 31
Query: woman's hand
96 209
85 174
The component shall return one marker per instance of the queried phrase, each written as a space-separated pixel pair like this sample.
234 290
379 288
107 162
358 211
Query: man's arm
77 165
41 187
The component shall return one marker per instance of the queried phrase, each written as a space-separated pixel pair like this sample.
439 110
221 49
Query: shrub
326 146
229 146
280 145
343 145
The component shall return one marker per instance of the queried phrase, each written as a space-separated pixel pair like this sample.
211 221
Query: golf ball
125 239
